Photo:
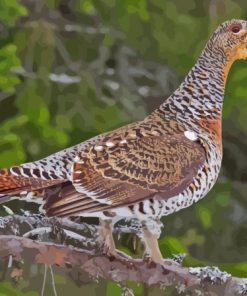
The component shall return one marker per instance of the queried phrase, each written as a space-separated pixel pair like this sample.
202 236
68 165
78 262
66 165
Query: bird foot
115 254
165 262
152 262
122 255
169 262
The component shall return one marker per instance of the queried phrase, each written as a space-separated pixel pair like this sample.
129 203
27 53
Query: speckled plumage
146 169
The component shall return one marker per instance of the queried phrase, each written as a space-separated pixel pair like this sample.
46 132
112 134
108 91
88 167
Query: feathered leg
151 233
105 234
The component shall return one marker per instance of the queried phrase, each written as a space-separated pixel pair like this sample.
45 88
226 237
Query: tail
19 181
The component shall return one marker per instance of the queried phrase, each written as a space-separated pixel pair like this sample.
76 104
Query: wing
127 166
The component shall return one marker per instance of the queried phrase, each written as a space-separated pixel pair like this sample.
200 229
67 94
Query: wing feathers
118 172
123 167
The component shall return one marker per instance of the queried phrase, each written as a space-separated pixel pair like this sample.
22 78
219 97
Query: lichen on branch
87 256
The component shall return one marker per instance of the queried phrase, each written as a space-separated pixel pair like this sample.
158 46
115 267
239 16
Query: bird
146 169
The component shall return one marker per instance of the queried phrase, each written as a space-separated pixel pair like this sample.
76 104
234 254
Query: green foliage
171 246
113 289
205 217
72 69
12 150
238 269
6 289
8 61
138 289
11 10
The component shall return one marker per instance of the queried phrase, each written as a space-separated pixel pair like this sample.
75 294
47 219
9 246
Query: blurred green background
72 69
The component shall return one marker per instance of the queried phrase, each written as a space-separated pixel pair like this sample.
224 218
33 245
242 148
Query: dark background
70 70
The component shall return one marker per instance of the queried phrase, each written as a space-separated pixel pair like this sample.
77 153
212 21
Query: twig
36 221
53 281
44 281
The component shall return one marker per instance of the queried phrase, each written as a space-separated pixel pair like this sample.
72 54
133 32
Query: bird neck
197 103
200 95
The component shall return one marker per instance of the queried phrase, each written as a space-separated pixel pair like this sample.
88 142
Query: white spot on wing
190 135
98 148
109 144
123 142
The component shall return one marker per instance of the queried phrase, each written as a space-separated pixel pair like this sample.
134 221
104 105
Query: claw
122 255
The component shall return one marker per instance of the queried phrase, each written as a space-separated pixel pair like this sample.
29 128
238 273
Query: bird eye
235 28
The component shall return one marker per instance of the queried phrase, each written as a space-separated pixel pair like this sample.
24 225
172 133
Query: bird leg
150 239
105 234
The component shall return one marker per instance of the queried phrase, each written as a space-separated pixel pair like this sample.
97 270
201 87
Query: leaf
204 216
11 10
8 210
8 61
170 245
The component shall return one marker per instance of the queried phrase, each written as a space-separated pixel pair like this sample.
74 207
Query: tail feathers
6 193
19 185
12 185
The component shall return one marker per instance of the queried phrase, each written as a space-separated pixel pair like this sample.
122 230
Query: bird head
228 44
231 37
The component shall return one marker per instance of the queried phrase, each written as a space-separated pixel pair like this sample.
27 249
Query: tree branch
120 269
87 257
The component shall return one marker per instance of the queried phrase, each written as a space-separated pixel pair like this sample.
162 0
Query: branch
85 255
61 231
121 269
57 78
10 222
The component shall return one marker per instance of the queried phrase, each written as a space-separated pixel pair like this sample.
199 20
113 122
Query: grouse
147 169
